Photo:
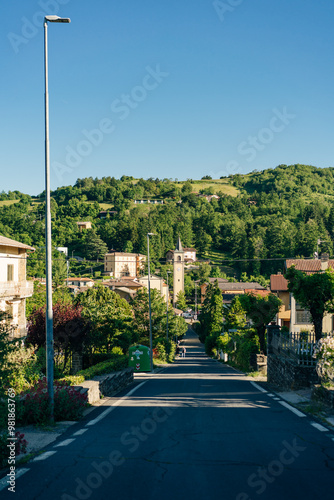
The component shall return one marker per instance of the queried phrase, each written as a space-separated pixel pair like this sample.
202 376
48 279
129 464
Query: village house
189 255
300 318
119 264
229 289
84 225
156 283
14 287
77 285
126 288
279 286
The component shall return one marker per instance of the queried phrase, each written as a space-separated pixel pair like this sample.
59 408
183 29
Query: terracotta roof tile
308 266
278 283
12 243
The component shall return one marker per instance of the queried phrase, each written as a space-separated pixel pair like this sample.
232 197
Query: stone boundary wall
288 375
106 385
323 395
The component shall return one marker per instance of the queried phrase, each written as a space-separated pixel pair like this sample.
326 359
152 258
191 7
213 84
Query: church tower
178 270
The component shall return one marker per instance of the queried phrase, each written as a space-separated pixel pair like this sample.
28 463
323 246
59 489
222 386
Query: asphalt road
197 430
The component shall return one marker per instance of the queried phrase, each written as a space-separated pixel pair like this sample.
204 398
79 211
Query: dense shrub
25 369
240 348
112 365
33 406
165 350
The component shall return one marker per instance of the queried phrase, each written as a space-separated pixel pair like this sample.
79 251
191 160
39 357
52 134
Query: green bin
139 358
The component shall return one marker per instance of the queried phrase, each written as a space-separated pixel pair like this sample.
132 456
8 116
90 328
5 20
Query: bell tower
178 270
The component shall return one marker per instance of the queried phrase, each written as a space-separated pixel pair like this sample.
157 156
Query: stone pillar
76 362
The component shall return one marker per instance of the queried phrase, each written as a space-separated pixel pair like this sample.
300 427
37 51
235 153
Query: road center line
112 407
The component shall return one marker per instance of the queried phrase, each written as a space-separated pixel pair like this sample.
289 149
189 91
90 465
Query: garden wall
106 385
286 374
323 395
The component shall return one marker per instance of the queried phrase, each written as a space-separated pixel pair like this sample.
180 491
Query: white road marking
293 409
116 403
320 427
66 442
258 387
80 432
4 482
44 456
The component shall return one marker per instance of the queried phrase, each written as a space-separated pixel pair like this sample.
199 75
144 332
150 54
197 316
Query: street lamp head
57 19
151 234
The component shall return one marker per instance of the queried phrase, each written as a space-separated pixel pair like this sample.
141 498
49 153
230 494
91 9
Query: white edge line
4 481
44 456
66 442
80 432
292 408
112 407
258 387
320 427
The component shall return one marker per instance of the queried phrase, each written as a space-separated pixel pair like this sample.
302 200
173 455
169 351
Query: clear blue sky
168 89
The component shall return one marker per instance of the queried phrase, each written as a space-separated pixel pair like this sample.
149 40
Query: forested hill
277 213
286 180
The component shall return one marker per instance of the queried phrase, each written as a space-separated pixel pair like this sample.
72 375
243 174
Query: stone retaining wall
323 395
288 375
106 385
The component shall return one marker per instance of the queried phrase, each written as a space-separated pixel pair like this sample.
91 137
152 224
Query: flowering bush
324 353
69 404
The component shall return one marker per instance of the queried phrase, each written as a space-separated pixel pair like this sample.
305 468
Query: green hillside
274 214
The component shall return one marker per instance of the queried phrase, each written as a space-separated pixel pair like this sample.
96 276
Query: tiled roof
308 266
220 280
278 283
79 279
12 243
240 286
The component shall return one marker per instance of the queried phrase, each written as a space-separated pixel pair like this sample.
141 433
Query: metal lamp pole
48 244
149 298
168 272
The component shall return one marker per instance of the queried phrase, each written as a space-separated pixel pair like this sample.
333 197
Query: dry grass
5 203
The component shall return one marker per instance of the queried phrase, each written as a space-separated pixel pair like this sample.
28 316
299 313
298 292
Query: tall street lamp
168 272
48 245
149 297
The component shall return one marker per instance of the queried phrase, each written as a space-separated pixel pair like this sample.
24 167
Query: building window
10 272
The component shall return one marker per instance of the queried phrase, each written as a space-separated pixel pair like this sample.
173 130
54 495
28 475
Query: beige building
125 287
178 271
300 318
119 264
84 225
189 255
14 287
156 283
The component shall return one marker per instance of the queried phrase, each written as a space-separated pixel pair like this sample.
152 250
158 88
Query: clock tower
178 270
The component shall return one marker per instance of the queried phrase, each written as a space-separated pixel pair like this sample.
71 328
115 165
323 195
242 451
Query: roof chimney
324 258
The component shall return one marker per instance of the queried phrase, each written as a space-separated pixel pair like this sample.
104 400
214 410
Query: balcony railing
17 289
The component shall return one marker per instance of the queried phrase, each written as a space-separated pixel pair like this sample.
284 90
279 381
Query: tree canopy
315 292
